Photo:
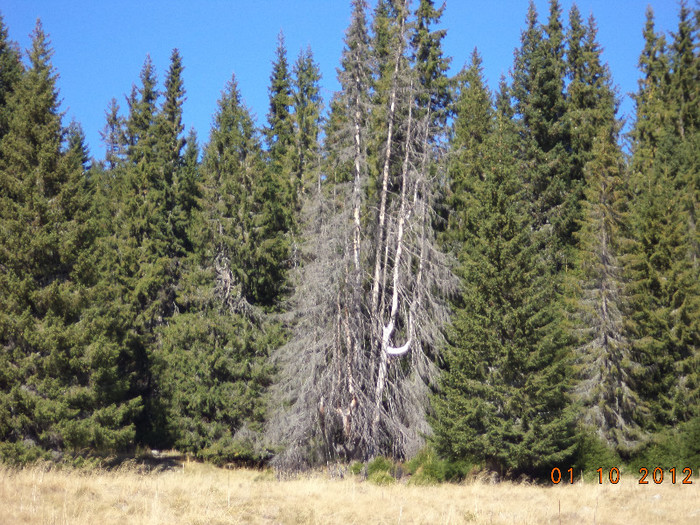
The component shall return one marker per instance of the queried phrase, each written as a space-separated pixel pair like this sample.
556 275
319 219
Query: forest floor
177 492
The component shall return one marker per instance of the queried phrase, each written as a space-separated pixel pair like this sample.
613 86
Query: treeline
425 260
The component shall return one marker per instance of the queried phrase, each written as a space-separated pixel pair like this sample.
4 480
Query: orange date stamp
657 476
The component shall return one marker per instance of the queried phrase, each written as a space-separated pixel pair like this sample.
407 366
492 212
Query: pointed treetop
279 131
555 28
174 92
355 72
504 107
75 145
191 156
431 64
171 115
142 101
531 17
575 37
40 56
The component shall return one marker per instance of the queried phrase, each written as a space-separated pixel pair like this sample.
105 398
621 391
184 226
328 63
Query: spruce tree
170 152
503 399
651 116
216 345
170 117
57 390
279 133
663 276
540 103
368 296
307 117
431 65
10 73
140 268
387 50
605 368
467 150
113 136
346 127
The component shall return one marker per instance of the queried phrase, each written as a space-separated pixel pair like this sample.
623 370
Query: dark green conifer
55 386
663 273
279 133
307 117
503 400
540 103
467 152
170 152
215 347
10 73
605 368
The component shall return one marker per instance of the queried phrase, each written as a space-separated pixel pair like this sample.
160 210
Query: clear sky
100 46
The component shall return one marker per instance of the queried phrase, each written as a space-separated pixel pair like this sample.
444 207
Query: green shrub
591 454
690 443
458 470
671 448
381 477
379 464
427 468
356 468
19 454
229 450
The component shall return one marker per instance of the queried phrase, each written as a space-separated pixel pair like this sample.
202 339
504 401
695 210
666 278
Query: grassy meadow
195 493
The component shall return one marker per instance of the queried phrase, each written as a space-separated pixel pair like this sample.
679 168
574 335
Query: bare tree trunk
387 330
381 226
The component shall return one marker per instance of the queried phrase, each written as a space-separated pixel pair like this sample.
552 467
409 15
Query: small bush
381 477
20 454
459 470
229 450
379 464
592 453
427 468
356 468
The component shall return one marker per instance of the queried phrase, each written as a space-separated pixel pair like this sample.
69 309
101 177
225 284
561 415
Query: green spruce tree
10 73
606 371
216 345
307 118
540 104
503 399
663 275
57 391
279 133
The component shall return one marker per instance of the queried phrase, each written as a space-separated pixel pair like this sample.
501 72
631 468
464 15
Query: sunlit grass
197 493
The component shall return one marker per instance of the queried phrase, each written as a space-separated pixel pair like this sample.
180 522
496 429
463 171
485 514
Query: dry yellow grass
204 494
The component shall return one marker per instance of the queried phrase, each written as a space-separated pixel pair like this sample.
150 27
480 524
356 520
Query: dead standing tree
369 300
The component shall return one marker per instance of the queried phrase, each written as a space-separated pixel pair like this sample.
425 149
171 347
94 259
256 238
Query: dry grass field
202 494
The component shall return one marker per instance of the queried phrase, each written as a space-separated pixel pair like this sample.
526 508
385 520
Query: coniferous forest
503 279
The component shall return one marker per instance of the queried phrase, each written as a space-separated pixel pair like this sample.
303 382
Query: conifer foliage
662 261
503 399
424 261
56 390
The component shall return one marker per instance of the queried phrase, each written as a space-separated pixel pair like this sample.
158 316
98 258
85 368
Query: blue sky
100 46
